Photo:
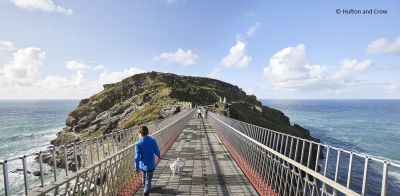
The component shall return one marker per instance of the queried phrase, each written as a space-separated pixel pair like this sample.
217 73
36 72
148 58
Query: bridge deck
208 167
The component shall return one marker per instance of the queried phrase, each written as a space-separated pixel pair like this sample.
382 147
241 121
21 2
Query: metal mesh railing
99 166
281 164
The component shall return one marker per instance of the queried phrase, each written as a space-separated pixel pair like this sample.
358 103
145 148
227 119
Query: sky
59 49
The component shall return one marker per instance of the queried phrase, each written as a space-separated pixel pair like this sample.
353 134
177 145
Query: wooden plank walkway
209 168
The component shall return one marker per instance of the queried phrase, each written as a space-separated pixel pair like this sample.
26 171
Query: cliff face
149 96
264 116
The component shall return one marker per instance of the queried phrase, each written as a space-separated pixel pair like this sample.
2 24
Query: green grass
94 134
65 137
81 111
146 114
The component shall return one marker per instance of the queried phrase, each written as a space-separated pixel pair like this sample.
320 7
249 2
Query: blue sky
273 49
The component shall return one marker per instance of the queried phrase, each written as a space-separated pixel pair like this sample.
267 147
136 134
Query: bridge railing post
286 164
82 163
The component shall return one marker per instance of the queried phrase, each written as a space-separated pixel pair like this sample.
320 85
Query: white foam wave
35 146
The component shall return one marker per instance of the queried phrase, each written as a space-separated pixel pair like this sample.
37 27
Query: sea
366 126
28 126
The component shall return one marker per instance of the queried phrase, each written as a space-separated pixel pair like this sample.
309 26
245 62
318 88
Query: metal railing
281 164
99 166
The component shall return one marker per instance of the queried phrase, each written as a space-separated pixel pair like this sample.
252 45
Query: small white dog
176 166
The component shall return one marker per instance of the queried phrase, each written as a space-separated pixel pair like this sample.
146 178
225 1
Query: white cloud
75 65
23 72
383 46
237 56
249 90
181 57
349 68
392 87
288 64
56 82
78 84
112 77
24 66
21 77
42 5
169 1
6 46
78 80
214 73
252 30
289 69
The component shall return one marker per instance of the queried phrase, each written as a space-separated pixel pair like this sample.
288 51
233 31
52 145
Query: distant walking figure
145 149
199 113
206 112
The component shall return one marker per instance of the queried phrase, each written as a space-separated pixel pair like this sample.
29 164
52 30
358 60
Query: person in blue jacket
145 149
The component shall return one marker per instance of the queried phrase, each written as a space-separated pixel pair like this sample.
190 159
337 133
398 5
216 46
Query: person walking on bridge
199 113
145 149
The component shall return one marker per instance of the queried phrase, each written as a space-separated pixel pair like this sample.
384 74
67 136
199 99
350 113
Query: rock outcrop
149 96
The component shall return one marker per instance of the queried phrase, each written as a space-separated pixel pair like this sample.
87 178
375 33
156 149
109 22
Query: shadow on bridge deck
209 168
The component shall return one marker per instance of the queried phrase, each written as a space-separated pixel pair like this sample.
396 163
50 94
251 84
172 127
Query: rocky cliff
150 96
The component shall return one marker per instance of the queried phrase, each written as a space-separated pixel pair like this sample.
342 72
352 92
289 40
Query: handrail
85 158
275 163
294 155
295 163
355 153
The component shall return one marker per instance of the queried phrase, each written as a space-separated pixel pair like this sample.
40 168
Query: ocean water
28 126
366 126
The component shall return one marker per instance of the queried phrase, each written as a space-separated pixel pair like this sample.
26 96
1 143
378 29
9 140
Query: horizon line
70 99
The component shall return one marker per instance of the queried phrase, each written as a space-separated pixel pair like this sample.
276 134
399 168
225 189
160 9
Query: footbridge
222 156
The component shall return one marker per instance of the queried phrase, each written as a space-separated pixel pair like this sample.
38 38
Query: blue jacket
145 149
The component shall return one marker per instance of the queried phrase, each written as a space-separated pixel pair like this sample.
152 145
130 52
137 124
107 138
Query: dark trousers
199 115
147 176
